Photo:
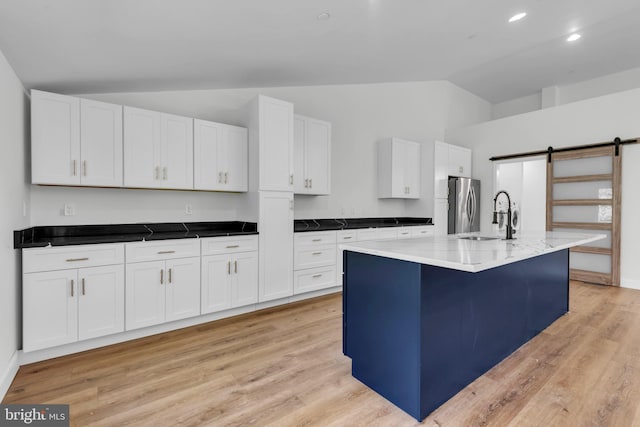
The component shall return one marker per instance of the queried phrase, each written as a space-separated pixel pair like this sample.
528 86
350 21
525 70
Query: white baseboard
8 375
629 283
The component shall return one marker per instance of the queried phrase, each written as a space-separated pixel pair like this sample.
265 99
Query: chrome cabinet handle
228 267
166 252
235 266
317 240
315 276
219 177
310 183
164 173
170 275
84 168
347 238
161 277
77 259
291 179
233 246
157 172
306 183
316 253
226 177
74 168
72 285
83 290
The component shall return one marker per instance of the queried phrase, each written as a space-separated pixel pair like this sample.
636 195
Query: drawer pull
166 252
233 246
169 275
77 259
404 234
72 288
162 277
347 238
315 276
317 240
83 290
235 266
316 253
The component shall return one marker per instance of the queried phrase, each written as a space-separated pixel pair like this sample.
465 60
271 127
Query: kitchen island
423 318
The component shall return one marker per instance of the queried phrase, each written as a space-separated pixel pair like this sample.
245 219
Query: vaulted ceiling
81 46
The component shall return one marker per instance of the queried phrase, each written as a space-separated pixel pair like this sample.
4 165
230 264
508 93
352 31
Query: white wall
14 195
584 122
520 105
360 116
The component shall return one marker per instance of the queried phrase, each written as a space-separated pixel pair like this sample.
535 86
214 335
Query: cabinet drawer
422 231
314 238
387 233
162 249
65 257
367 234
346 236
313 279
227 245
308 257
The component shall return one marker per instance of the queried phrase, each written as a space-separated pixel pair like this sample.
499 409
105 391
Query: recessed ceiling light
324 16
573 37
517 16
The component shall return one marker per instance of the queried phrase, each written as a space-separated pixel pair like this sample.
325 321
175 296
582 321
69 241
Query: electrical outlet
188 209
69 209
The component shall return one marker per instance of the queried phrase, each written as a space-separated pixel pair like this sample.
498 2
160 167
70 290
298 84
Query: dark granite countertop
62 235
301 225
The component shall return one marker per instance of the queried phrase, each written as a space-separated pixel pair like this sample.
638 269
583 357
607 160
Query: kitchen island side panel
472 321
382 326
418 334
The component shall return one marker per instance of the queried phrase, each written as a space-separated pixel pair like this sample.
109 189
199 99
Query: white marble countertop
471 255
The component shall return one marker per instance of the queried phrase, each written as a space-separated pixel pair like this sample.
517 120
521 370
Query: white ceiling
82 46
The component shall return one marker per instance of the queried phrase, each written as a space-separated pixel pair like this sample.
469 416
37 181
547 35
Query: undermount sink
478 238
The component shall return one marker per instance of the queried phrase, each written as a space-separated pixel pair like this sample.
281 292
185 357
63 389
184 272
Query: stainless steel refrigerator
464 205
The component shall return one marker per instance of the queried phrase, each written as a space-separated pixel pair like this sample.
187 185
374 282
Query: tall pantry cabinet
271 123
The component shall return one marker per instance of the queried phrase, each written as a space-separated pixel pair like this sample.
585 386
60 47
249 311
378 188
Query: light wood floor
284 367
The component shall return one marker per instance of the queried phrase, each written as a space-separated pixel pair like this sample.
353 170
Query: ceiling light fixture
517 16
573 37
324 16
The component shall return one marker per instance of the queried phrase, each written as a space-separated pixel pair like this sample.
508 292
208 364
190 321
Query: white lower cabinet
61 307
314 261
162 291
229 281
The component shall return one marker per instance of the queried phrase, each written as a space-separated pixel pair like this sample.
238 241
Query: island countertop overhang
471 255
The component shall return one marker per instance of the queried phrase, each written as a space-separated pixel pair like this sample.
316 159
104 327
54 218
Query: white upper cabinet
100 144
158 150
312 154
74 141
220 157
398 169
449 160
459 161
275 142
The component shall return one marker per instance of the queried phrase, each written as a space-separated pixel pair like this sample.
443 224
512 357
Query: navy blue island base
418 334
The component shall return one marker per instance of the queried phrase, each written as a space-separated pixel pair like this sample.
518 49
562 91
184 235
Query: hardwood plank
284 367
583 178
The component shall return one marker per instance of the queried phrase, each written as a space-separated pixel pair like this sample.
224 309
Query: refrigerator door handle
470 205
473 205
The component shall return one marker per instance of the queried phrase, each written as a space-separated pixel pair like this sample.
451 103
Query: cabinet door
276 245
145 294
244 288
299 155
412 170
142 151
182 288
207 173
216 283
236 158
441 170
50 309
398 162
55 139
276 144
101 301
177 151
459 161
101 144
318 156
440 217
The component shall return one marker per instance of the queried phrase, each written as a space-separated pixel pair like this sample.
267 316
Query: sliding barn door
584 195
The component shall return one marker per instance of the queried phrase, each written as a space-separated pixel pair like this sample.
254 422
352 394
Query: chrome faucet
495 213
